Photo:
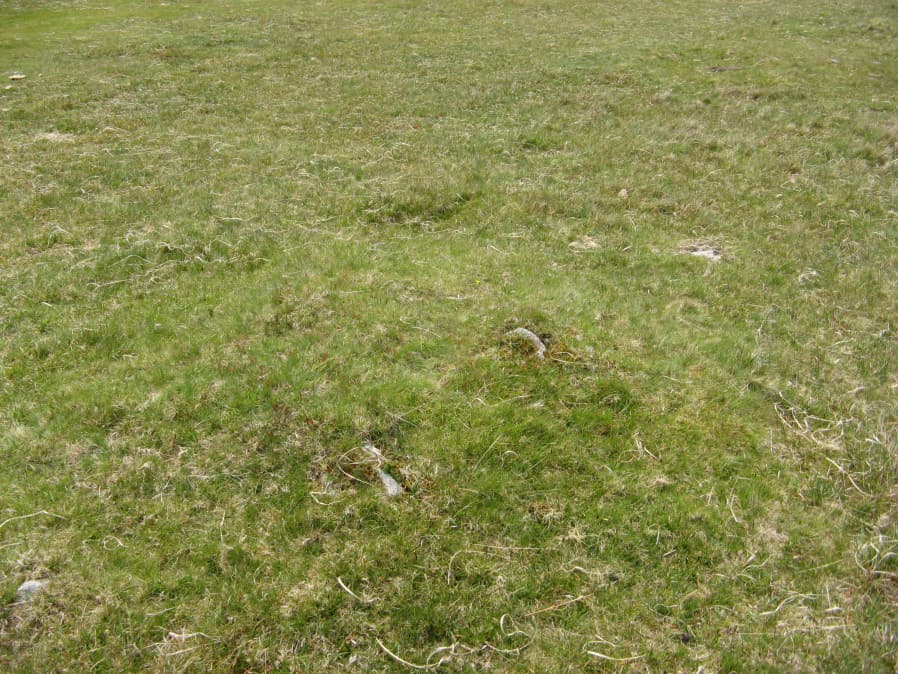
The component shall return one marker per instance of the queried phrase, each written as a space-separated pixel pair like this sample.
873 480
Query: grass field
243 240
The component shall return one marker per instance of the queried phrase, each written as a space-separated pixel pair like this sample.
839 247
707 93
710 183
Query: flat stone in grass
28 589
391 486
704 250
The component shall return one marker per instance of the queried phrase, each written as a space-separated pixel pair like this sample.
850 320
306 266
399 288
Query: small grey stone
531 338
392 487
28 589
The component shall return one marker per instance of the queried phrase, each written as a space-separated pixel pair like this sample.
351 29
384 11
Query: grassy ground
241 239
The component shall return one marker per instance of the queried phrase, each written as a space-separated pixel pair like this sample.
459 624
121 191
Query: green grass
240 239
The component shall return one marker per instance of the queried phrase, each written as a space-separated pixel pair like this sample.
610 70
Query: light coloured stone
28 589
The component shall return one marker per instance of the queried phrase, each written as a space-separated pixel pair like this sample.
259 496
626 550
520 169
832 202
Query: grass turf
241 239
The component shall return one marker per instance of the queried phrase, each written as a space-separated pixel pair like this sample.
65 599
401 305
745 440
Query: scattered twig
449 568
810 426
97 286
558 605
889 545
788 600
315 494
458 648
514 631
371 450
183 636
641 446
732 510
848 475
602 656
353 594
25 517
115 539
431 665
351 477
157 613
488 450
817 628
491 552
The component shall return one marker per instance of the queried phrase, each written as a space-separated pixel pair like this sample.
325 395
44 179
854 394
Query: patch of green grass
243 240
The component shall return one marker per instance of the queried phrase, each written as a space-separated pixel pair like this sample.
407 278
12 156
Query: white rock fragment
28 589
703 250
17 76
392 487
710 254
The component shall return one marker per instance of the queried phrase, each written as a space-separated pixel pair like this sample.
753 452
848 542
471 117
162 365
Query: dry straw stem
558 605
454 650
460 552
25 517
184 636
640 445
732 498
353 463
885 550
315 494
785 602
825 433
848 475
431 665
181 637
514 631
603 656
353 594
530 337
816 429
